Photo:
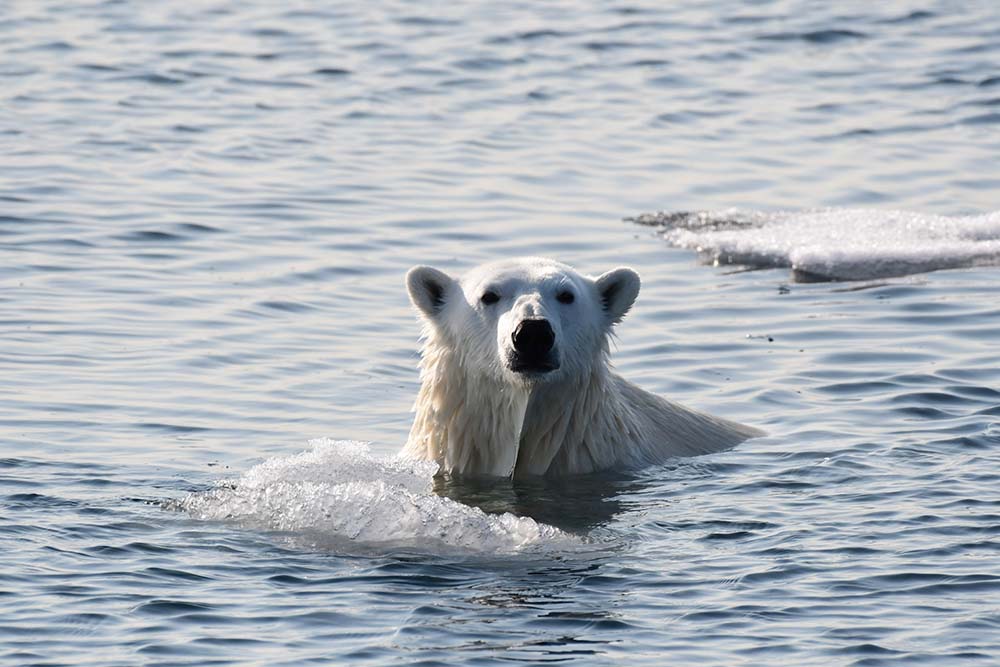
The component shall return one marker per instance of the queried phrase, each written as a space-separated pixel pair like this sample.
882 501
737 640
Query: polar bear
516 379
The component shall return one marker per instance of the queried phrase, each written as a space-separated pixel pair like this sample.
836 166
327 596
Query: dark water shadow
575 504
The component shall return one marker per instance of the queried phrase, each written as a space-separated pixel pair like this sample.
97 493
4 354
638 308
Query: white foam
342 492
836 244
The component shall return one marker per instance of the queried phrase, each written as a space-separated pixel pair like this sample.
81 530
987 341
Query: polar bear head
523 321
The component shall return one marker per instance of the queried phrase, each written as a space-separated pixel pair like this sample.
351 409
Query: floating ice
340 491
835 244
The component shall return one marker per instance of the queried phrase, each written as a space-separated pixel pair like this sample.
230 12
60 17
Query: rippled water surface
207 208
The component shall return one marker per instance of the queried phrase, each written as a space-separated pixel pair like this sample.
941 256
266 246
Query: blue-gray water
207 208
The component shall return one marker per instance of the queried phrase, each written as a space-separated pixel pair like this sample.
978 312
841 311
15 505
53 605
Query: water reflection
577 504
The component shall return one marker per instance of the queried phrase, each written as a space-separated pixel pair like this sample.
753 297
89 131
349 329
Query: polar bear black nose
533 338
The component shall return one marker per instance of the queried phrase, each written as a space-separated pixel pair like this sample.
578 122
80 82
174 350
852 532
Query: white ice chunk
836 244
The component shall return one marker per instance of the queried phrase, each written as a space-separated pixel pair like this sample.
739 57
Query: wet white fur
475 416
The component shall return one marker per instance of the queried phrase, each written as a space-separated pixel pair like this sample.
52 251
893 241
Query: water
340 494
206 210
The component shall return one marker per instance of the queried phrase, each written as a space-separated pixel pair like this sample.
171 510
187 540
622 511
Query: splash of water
338 489
835 244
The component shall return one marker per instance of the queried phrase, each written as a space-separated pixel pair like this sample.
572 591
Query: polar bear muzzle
534 347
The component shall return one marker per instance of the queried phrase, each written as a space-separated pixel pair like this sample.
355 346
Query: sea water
208 357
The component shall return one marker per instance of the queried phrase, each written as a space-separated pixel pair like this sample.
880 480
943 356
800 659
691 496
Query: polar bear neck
576 426
471 421
467 421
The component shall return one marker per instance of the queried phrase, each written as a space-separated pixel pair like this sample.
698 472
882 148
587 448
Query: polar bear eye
490 297
565 296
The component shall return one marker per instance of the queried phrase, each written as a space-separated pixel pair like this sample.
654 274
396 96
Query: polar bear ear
618 289
428 289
